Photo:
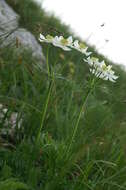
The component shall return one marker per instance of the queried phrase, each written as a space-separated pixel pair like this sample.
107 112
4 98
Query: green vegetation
96 159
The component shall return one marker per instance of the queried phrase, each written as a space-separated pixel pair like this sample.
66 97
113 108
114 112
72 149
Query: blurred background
100 23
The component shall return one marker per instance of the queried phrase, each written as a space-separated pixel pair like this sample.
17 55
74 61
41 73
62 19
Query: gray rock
10 32
26 40
8 18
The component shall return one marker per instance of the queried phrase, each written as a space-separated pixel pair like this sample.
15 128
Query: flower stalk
47 98
44 112
99 69
89 91
47 62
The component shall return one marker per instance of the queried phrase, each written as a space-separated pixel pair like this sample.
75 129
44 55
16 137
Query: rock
26 40
10 32
8 19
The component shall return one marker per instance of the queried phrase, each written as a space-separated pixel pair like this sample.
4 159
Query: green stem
79 116
44 112
47 62
47 98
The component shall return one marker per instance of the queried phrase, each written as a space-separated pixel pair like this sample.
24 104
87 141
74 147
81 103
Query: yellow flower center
104 67
64 42
82 46
49 37
94 59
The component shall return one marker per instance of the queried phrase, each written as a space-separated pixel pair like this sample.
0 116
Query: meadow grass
46 153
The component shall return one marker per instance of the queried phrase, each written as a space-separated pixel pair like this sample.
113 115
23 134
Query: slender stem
47 98
44 112
47 62
79 116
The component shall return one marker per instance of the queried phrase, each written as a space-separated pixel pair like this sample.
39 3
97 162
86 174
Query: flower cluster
81 47
66 44
99 69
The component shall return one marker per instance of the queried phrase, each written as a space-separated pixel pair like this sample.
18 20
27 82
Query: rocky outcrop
25 39
8 18
10 32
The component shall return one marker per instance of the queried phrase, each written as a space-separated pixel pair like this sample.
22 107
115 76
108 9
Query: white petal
55 41
115 77
76 44
109 67
60 38
102 62
112 80
70 39
56 44
42 37
85 60
65 48
88 53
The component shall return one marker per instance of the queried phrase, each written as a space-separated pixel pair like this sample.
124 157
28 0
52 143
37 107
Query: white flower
101 70
92 61
63 43
108 73
58 41
81 47
47 39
